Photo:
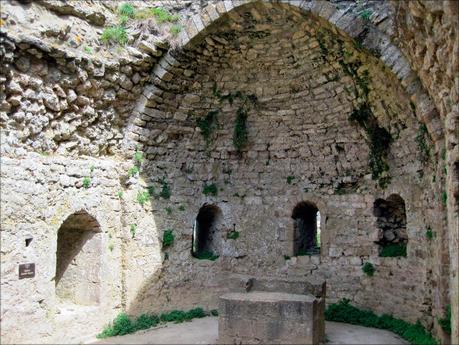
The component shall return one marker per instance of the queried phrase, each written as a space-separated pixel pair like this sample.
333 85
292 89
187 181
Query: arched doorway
78 260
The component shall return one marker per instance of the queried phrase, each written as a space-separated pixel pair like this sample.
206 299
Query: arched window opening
306 237
78 260
207 236
391 221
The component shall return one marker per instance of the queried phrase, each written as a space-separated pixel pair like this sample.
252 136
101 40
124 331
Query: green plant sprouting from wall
240 132
143 197
206 255
168 238
210 189
343 311
378 138
368 269
232 235
422 138
133 229
86 182
445 322
165 189
430 234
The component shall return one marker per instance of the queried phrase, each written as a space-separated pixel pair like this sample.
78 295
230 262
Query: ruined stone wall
300 129
62 101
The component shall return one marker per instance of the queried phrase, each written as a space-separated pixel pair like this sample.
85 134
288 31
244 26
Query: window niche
207 234
306 229
391 221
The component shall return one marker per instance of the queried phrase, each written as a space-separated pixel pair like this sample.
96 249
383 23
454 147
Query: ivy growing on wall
240 133
378 138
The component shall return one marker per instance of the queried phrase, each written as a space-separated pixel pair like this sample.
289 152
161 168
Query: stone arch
342 22
390 216
306 229
78 260
207 231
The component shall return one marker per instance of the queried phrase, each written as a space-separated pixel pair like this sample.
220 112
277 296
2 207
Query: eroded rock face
258 113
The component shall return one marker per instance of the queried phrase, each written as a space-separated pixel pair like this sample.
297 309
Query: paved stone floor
205 331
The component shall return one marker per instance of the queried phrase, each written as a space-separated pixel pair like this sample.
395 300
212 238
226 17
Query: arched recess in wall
306 229
390 216
207 232
78 260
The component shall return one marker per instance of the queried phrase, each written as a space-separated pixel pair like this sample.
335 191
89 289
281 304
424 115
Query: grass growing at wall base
205 255
345 312
393 250
123 325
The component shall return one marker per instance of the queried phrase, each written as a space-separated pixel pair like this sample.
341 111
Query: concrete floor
205 331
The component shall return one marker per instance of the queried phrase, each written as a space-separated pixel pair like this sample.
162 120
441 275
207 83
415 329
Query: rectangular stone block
270 317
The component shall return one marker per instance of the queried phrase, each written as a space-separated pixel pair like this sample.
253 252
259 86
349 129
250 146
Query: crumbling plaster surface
64 103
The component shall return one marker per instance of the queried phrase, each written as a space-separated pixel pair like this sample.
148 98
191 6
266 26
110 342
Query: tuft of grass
138 156
163 16
120 194
393 250
111 247
133 171
88 50
210 189
365 14
445 322
181 208
133 229
178 316
175 29
422 137
343 311
168 238
126 9
143 197
86 182
233 235
168 210
115 34
368 269
205 255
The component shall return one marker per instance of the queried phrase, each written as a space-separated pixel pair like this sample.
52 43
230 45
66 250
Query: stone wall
293 79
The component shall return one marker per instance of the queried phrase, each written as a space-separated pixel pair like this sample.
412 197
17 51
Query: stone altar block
266 316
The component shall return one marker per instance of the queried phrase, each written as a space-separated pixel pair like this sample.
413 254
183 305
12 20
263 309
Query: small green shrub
393 250
168 210
115 34
165 190
120 194
210 189
143 197
175 29
343 311
368 269
88 50
133 229
233 235
168 238
86 182
146 321
122 325
205 255
181 208
133 171
214 312
445 322
290 179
